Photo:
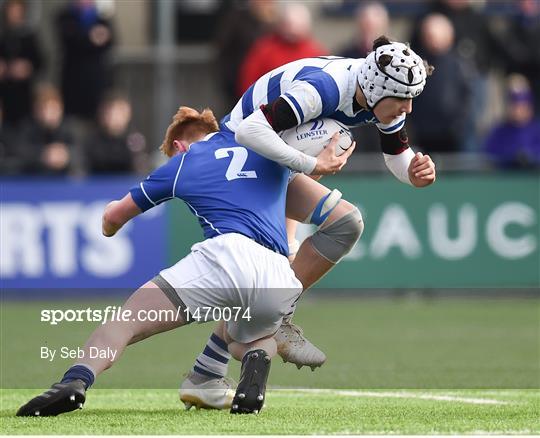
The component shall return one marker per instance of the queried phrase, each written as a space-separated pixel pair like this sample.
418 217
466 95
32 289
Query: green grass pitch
403 366
149 412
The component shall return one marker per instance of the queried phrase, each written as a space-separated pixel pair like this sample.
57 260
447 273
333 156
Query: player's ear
177 147
180 146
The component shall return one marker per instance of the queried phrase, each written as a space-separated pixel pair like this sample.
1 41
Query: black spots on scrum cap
410 76
383 61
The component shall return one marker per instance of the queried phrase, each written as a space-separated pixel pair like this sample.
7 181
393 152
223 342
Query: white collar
205 138
209 136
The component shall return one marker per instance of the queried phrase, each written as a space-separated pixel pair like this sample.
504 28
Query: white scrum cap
391 70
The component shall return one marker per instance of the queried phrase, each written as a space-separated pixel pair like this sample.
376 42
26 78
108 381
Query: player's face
391 108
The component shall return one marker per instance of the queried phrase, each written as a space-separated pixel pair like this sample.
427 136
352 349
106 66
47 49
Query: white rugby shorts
231 271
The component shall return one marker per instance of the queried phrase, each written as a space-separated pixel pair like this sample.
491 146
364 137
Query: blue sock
213 361
81 372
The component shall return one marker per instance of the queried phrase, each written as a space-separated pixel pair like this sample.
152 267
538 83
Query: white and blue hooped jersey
229 188
313 87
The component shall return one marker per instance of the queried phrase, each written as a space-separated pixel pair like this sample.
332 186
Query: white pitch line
401 394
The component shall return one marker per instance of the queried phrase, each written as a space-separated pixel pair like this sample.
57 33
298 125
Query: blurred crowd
80 123
455 36
78 126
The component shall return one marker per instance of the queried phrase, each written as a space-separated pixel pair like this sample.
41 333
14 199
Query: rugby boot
293 347
206 394
62 397
249 397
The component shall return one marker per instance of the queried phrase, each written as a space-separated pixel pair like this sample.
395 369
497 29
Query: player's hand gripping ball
312 137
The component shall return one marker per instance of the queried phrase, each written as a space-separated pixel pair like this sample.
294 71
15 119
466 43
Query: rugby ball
312 137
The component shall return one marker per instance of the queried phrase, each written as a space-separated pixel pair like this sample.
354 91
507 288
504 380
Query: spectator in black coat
521 45
476 45
10 160
440 115
20 62
113 147
46 142
474 40
246 21
86 39
371 22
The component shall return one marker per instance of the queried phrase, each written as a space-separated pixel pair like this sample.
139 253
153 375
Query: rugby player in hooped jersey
376 90
239 199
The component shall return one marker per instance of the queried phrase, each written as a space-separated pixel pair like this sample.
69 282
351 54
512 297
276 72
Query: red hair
187 125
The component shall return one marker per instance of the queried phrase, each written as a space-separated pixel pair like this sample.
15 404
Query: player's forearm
117 213
399 164
256 133
110 223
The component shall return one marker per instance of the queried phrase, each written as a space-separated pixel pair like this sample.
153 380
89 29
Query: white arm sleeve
399 164
256 133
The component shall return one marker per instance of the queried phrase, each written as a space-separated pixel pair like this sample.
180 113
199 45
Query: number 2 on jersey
239 158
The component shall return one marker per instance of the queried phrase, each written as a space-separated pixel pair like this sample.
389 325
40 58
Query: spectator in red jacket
291 40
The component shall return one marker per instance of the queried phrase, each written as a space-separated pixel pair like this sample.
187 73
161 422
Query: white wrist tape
399 164
256 133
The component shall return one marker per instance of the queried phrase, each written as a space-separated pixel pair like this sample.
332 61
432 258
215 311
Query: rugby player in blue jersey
376 90
239 199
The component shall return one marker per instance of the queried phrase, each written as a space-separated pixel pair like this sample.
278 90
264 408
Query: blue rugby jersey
229 188
314 88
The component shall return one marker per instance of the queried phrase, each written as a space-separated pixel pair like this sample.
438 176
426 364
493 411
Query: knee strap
337 239
324 208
